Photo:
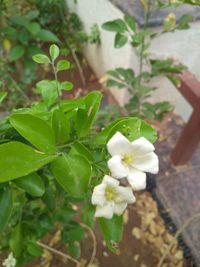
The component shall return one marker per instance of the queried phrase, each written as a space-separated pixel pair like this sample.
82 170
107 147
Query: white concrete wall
182 45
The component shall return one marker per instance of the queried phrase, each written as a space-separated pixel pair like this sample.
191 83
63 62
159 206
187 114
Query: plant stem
186 224
57 89
78 66
141 53
55 251
94 243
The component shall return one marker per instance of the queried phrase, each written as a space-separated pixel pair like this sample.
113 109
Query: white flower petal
98 197
137 179
119 145
105 211
142 146
116 167
147 163
125 194
119 208
108 180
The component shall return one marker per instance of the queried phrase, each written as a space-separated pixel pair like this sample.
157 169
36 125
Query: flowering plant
53 167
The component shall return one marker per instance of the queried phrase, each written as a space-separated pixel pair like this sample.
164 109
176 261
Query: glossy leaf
23 159
66 86
112 231
16 52
54 51
35 130
61 126
130 22
87 115
117 25
120 40
132 128
41 59
6 206
47 36
63 65
80 149
2 96
32 184
73 174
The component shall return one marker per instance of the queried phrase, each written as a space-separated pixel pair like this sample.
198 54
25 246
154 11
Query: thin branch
94 243
186 224
55 251
78 66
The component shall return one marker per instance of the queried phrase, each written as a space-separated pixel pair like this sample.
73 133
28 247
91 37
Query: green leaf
16 240
6 205
41 59
54 51
117 25
184 22
63 65
22 158
48 91
112 231
32 14
120 40
73 174
16 52
32 184
80 149
34 249
47 36
131 22
61 126
87 115
132 128
33 28
66 86
35 130
2 96
87 215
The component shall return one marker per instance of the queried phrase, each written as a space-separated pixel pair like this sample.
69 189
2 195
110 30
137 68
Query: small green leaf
2 96
47 36
73 174
6 205
32 184
37 131
54 51
23 159
41 59
131 22
112 231
80 149
32 14
120 40
33 28
117 25
16 52
34 249
63 65
66 86
16 240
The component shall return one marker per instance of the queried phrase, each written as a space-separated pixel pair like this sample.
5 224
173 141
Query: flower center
128 159
110 193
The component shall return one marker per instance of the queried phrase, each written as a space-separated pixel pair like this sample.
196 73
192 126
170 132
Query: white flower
132 159
10 261
111 198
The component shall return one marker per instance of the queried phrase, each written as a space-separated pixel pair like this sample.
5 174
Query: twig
94 243
55 251
78 66
189 221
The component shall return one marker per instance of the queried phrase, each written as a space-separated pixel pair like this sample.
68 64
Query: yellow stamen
128 159
110 193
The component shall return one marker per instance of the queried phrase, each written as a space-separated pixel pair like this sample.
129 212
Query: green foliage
51 159
138 85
